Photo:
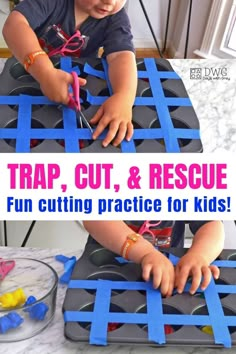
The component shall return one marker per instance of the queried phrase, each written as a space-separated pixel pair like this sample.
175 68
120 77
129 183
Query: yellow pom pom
207 330
13 299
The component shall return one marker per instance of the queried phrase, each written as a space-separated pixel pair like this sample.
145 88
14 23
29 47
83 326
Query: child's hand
55 83
194 265
117 114
162 271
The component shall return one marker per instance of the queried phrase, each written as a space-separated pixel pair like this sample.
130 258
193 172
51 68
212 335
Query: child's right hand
162 271
55 83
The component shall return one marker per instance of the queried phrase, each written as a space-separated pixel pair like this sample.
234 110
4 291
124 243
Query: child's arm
113 234
207 244
117 110
22 41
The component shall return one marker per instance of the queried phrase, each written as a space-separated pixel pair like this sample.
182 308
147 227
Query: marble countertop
52 340
214 99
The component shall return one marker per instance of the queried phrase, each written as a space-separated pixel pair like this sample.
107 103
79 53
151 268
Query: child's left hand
195 266
116 113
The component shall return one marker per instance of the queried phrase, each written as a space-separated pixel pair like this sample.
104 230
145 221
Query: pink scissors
5 267
74 101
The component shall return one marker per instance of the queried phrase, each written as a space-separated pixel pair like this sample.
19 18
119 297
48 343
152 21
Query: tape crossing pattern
154 317
71 134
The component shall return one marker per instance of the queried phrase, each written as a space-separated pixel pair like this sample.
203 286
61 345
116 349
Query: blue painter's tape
187 133
66 65
128 146
122 260
91 71
225 264
24 125
7 133
216 314
70 138
155 317
98 332
105 66
174 260
160 75
225 289
116 285
95 100
171 143
17 100
148 134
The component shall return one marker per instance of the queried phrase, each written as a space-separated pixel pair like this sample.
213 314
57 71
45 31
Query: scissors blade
84 119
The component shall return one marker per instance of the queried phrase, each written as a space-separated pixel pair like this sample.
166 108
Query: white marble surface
214 101
52 340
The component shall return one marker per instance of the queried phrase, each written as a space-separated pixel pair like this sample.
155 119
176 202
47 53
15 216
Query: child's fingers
97 116
206 274
147 272
181 278
121 134
165 283
103 122
130 131
82 81
196 279
171 285
215 271
157 277
113 129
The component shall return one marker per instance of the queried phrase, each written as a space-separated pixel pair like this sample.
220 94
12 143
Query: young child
34 25
207 244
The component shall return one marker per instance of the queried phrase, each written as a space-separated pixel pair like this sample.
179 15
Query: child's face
100 8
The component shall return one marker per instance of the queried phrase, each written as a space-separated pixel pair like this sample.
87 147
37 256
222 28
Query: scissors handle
74 101
5 267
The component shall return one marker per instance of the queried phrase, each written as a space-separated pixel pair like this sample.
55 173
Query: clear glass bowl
37 279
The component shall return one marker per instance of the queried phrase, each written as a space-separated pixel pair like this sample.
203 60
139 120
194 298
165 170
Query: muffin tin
163 116
107 302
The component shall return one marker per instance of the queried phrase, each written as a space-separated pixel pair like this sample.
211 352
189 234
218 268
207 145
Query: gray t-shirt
113 33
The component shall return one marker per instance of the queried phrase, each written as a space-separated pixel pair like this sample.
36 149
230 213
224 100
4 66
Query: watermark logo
220 73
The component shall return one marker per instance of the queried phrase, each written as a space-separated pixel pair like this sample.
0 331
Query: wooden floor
149 53
140 53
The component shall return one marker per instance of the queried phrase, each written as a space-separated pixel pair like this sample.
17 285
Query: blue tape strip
161 108
160 74
7 133
225 264
91 71
216 314
69 121
98 332
66 65
115 285
24 124
155 316
105 66
17 100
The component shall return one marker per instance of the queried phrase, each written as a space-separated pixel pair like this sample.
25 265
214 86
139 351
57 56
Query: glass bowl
37 279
